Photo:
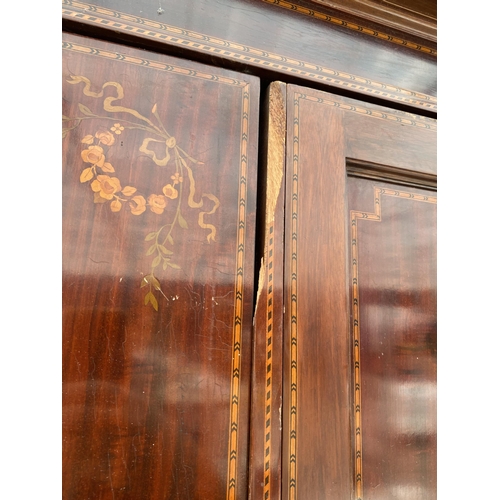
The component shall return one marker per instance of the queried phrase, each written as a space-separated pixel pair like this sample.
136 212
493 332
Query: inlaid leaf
147 298
129 190
144 281
170 239
165 250
107 167
151 249
88 139
154 302
86 111
150 236
86 175
156 261
99 199
175 266
116 206
182 221
156 283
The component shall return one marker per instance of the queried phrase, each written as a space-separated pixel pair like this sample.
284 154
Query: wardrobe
249 250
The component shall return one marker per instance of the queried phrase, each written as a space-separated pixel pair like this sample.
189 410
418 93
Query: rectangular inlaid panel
393 310
159 193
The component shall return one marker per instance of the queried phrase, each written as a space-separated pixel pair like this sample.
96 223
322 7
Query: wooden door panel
377 136
159 195
359 269
393 307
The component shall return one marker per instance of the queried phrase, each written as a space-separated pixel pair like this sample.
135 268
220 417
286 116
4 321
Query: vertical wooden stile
265 441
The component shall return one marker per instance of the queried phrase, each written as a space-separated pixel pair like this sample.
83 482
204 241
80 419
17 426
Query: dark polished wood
417 17
393 297
189 372
322 452
159 201
276 39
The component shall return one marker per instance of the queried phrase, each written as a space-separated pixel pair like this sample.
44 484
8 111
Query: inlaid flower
117 128
106 186
94 155
137 205
176 178
105 137
157 203
170 192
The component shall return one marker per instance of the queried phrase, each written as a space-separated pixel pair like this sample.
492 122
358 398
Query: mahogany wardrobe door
359 388
159 203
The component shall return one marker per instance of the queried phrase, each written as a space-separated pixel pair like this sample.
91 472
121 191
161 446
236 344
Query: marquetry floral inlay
107 188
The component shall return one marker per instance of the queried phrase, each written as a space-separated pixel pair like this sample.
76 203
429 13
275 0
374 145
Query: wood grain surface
172 389
159 195
276 39
417 17
393 304
320 428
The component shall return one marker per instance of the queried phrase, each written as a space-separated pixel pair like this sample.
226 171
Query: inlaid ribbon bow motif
107 187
